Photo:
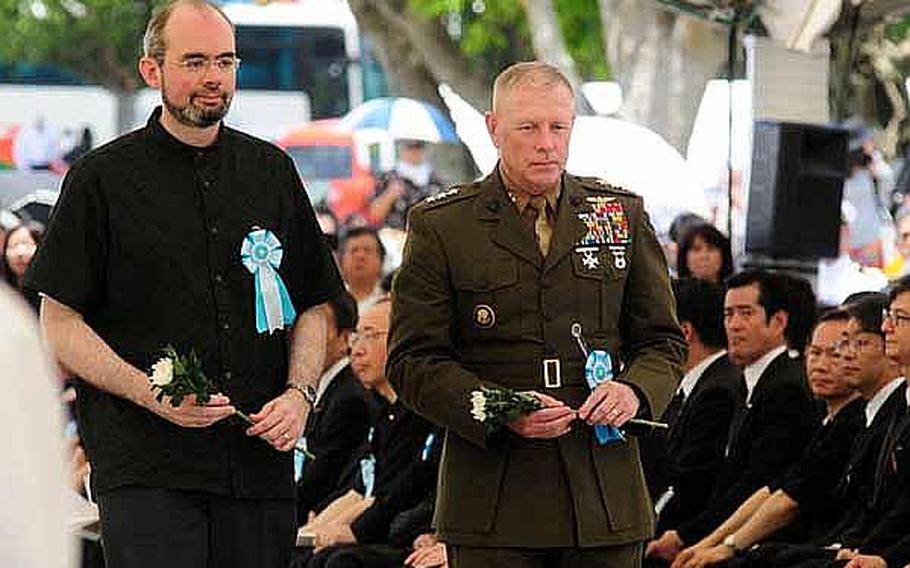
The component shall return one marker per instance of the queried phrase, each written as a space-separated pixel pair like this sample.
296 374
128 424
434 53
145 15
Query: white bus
303 46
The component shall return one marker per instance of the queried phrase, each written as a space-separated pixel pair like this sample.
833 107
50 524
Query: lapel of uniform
569 229
494 206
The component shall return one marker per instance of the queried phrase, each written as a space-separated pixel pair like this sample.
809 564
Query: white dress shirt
875 403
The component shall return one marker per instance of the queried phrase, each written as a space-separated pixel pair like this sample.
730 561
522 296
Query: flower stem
243 416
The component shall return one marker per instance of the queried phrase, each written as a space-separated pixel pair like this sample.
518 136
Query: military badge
589 257
619 257
484 316
441 195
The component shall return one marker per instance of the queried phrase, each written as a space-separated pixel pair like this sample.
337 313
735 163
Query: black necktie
736 426
886 464
858 449
673 409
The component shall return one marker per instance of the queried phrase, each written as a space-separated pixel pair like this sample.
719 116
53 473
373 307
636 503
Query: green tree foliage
97 40
494 33
898 31
582 31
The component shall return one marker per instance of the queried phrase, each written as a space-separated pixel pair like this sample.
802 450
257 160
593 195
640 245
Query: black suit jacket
888 537
335 430
767 435
857 486
696 441
407 449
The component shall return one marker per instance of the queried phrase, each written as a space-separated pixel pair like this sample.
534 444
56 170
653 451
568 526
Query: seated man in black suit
337 427
682 465
398 466
769 431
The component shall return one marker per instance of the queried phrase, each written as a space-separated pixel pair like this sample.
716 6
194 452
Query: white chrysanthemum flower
478 406
162 372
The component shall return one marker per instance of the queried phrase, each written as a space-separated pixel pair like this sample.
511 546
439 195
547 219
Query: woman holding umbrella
410 181
413 124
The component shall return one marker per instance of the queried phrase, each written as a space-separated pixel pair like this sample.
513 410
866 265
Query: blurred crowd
41 147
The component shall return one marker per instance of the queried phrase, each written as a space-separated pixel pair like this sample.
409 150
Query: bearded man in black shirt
191 234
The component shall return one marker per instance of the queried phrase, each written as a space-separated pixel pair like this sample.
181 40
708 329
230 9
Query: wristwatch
308 392
730 542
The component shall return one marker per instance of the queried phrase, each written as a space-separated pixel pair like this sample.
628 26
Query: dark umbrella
36 206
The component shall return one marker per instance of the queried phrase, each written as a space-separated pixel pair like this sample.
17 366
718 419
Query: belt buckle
552 375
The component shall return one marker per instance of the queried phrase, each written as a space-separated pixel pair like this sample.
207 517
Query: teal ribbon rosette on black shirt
261 253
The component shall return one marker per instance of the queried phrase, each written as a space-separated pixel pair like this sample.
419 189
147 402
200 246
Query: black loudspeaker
797 181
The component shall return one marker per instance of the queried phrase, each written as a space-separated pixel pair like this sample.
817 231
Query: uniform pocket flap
483 277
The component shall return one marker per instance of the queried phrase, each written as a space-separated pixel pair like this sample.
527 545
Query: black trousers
782 555
147 527
623 556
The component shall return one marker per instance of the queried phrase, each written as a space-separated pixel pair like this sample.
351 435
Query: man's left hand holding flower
280 422
612 403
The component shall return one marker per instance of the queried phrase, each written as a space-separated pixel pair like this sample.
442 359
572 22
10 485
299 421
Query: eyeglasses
855 344
369 335
897 319
199 65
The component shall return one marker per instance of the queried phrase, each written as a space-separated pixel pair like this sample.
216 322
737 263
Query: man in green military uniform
495 276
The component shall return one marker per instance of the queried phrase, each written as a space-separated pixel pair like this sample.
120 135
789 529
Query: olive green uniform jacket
476 303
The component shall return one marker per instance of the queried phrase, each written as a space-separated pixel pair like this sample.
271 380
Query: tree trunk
417 54
547 38
662 60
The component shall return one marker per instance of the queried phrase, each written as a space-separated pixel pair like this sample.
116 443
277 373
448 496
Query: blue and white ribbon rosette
261 253
368 468
427 447
599 369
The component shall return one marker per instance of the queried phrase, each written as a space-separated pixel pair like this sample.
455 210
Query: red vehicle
329 163
6 147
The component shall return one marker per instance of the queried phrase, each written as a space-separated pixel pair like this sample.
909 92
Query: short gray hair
534 73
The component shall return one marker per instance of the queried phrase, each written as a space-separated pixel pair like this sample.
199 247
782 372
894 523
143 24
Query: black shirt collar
166 141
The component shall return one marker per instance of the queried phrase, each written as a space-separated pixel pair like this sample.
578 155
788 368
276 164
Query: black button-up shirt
145 243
